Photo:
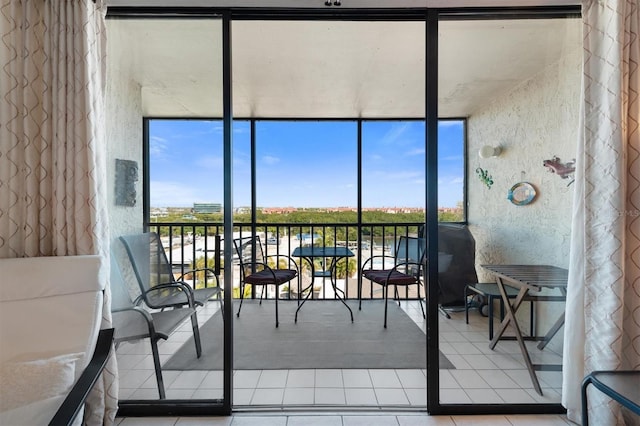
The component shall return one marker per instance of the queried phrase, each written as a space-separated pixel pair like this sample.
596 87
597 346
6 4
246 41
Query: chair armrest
289 258
407 264
193 271
164 286
378 256
411 273
68 411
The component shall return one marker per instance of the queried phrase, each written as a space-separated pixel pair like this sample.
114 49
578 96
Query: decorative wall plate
522 193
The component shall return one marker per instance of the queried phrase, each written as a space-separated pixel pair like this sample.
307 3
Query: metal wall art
564 170
485 177
126 178
521 194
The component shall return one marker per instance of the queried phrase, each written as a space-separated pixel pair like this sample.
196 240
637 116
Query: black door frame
431 16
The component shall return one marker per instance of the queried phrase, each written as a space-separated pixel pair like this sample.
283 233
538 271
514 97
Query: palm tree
345 268
200 278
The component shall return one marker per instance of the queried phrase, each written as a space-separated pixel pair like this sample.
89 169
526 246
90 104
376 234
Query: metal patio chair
407 270
255 268
158 286
133 322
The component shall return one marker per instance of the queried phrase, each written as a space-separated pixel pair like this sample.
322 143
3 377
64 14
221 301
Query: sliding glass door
517 81
171 68
353 131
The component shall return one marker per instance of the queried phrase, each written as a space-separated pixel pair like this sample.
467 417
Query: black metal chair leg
196 333
158 368
466 304
424 315
585 404
241 299
490 301
386 302
277 291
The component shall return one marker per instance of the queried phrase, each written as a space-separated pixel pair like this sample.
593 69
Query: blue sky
303 163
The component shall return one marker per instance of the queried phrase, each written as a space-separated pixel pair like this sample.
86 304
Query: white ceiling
331 69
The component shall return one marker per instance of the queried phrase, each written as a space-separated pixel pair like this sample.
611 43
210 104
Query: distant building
207 207
278 210
341 209
159 212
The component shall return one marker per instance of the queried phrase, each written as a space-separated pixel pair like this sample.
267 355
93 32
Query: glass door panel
167 74
517 82
339 109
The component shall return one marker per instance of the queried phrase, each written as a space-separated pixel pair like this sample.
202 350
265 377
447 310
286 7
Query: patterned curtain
52 144
603 301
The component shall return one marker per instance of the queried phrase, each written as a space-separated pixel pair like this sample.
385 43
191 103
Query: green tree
345 268
200 277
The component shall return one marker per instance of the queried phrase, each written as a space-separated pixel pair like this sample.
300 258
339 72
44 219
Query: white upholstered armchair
50 350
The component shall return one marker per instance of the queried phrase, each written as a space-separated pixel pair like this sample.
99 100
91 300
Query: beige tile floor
360 419
481 376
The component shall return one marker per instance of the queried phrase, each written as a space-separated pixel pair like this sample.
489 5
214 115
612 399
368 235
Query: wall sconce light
489 151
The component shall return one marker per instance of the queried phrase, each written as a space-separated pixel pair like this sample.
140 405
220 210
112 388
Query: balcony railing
191 245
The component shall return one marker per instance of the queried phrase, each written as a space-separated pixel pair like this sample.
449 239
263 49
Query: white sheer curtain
52 147
603 301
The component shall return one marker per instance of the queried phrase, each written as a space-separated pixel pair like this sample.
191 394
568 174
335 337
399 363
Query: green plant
247 292
345 268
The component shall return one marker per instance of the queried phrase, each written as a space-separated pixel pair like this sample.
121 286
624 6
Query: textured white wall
124 141
533 123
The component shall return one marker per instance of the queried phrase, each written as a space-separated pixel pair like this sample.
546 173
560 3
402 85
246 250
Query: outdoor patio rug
324 337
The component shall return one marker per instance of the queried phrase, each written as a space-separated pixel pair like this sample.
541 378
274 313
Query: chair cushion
36 413
266 277
54 276
396 278
56 301
25 382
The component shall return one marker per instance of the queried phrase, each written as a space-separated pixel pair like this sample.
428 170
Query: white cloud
395 133
415 152
210 162
270 160
157 146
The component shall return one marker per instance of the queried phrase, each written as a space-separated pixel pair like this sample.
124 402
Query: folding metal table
529 278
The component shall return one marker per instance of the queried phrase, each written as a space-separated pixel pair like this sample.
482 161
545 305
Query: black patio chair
622 386
154 274
133 322
408 268
256 270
